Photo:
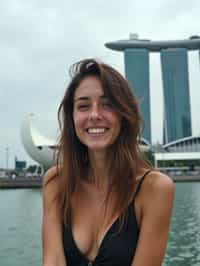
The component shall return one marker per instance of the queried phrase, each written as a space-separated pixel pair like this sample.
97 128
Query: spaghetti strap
140 183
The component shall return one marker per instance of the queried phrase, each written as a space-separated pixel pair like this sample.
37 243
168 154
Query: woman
103 203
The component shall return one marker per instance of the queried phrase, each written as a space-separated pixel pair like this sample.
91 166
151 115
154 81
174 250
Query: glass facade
177 111
137 73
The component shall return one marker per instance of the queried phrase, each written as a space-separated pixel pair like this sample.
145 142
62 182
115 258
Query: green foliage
32 169
178 163
149 157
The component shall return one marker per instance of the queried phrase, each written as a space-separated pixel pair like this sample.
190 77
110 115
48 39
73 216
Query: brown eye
107 104
83 107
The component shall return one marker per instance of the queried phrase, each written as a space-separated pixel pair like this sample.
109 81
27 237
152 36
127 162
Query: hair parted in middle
124 155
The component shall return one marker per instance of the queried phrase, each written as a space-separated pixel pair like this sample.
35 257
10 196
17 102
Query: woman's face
97 124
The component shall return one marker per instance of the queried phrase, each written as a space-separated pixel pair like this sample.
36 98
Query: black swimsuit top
116 249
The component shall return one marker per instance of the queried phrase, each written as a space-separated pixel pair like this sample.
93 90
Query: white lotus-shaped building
39 148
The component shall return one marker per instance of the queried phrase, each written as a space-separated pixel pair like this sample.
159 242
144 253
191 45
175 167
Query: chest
88 231
113 247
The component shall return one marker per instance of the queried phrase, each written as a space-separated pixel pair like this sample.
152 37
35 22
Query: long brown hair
125 157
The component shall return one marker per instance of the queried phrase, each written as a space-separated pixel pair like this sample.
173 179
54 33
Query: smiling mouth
97 130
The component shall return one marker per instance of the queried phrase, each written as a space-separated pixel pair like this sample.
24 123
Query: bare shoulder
158 185
159 181
50 174
51 185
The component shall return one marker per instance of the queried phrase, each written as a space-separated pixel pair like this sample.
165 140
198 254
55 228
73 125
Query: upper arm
53 254
156 217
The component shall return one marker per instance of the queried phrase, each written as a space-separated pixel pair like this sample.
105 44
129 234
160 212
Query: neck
98 168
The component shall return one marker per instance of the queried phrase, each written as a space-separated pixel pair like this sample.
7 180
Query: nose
95 113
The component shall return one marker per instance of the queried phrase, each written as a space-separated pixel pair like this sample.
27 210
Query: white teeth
96 130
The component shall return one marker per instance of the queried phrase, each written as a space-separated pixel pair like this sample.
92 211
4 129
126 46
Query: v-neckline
109 229
106 233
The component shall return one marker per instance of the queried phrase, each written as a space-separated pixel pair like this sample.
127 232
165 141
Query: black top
116 249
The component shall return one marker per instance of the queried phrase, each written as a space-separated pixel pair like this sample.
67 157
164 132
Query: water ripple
184 241
21 228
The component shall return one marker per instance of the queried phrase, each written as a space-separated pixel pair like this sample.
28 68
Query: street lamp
7 157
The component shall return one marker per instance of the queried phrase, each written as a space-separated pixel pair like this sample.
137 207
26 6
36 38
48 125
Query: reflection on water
21 216
20 227
184 242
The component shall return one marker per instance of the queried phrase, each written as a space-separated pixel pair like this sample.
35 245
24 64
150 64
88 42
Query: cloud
41 39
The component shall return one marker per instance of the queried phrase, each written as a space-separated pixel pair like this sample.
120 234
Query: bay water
21 218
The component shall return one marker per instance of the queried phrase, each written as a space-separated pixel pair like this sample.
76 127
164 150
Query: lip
97 127
97 134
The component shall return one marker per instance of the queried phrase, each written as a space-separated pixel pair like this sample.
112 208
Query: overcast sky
41 39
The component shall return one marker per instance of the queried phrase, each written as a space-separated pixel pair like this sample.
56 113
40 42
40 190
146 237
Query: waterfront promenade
185 178
36 181
21 182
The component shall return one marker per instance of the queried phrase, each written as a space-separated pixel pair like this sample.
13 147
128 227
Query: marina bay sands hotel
175 79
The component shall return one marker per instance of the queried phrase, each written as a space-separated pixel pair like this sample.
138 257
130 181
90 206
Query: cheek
116 120
115 117
79 121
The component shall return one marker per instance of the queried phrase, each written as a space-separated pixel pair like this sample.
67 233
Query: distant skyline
176 89
137 72
175 80
40 40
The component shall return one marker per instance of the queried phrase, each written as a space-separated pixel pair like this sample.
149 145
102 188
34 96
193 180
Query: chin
97 147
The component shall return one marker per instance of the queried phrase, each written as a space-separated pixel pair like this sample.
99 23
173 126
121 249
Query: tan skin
153 205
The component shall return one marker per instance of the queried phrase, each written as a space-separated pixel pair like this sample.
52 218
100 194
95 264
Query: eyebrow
81 98
86 98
